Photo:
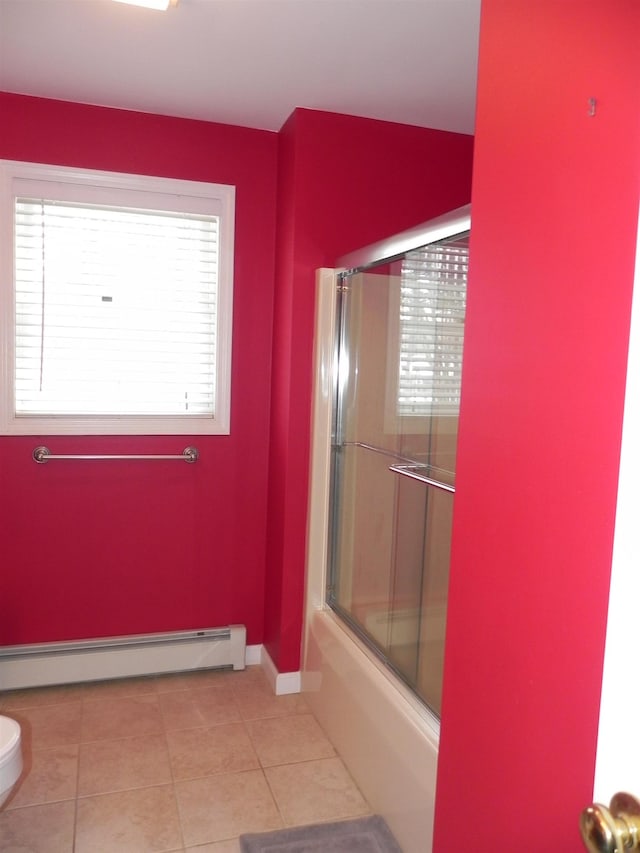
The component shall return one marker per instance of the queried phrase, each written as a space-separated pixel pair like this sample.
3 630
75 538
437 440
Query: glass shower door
393 456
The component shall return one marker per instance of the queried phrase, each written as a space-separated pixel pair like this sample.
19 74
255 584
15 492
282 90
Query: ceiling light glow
161 5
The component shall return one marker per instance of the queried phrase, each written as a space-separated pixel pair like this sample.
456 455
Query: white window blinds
432 311
116 303
115 310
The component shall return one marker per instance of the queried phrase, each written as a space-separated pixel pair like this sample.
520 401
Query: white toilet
10 756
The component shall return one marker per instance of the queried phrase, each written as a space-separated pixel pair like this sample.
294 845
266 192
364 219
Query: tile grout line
261 766
173 779
74 837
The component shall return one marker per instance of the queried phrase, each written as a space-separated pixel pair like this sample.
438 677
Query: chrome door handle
612 830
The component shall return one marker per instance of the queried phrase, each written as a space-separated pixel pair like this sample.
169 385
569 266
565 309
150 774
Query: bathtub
387 739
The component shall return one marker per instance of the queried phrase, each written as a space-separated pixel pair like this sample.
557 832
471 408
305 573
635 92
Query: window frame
20 179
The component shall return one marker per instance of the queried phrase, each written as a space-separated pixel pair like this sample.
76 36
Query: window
116 303
433 289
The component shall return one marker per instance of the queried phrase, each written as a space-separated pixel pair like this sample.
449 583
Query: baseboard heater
36 665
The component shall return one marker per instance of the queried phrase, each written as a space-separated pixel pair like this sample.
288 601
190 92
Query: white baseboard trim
253 655
282 683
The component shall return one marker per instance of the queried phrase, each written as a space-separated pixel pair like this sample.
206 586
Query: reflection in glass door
401 326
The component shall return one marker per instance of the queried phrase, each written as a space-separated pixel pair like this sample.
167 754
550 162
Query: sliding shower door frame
455 223
337 434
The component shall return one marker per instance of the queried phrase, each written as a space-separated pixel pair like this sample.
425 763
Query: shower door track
364 638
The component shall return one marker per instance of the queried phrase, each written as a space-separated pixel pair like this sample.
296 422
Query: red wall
95 549
555 204
344 182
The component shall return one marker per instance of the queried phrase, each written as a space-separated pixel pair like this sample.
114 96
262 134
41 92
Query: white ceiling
250 62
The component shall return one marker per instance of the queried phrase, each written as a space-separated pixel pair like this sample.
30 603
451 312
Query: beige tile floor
170 763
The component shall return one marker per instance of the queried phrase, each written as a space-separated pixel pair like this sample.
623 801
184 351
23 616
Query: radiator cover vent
37 665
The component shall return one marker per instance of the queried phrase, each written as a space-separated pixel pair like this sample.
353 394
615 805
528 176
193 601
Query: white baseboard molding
253 655
282 683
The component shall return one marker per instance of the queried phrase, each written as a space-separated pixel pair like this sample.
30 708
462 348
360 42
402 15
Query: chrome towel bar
43 454
405 467
414 473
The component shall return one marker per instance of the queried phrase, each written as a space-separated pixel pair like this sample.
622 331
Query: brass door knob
612 830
